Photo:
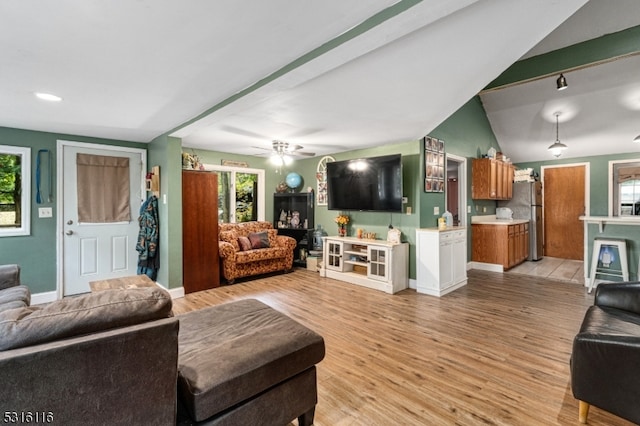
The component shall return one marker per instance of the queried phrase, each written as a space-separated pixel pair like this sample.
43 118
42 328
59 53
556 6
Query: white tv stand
376 264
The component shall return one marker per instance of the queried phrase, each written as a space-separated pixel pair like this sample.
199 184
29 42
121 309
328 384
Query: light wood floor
495 352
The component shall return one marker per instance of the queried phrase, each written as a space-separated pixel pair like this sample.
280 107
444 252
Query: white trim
60 145
610 182
45 297
26 197
462 186
176 293
261 183
491 267
587 204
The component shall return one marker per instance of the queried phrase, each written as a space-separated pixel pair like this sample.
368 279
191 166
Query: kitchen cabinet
503 244
441 260
491 179
376 264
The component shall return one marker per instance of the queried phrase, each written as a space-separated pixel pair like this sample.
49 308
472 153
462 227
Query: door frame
587 203
462 186
60 146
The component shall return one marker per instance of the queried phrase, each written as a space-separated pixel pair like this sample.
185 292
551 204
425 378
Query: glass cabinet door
334 255
377 263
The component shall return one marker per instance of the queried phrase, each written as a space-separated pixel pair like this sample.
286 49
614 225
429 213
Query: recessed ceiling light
48 97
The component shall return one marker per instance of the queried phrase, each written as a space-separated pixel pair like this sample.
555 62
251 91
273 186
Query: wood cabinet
491 179
502 244
375 264
200 262
441 260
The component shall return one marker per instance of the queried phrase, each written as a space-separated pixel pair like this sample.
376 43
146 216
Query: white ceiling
135 70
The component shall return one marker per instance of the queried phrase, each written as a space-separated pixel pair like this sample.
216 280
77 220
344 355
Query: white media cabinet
376 264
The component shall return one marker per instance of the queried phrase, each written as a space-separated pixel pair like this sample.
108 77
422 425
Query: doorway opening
456 188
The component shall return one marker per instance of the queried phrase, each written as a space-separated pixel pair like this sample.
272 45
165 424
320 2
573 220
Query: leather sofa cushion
605 323
83 314
19 293
16 304
232 352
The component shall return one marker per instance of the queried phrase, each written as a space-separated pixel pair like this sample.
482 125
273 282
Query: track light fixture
557 147
561 82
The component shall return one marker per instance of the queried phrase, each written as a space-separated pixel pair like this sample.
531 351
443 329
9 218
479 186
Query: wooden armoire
200 263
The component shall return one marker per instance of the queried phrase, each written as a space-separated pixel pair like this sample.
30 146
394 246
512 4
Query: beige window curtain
628 173
103 189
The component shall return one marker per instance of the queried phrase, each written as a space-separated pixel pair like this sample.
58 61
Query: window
15 190
625 188
240 193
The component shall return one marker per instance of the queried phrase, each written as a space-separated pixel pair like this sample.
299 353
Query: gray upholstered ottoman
246 363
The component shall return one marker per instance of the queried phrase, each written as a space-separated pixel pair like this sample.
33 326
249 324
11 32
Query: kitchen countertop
492 220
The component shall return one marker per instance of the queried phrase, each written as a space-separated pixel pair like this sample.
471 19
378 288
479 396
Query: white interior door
96 251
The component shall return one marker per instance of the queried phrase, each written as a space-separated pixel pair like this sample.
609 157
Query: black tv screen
365 184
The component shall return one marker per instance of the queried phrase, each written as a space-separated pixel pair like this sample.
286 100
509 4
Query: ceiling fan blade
262 148
303 153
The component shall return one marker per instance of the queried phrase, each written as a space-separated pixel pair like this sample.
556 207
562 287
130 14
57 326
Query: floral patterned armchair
253 248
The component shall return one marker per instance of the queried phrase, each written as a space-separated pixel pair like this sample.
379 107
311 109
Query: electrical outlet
45 212
484 210
408 209
436 210
468 209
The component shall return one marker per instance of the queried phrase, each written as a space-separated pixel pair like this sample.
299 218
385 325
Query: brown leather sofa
239 261
605 362
118 357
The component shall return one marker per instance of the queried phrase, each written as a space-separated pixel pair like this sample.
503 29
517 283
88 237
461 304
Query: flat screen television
365 184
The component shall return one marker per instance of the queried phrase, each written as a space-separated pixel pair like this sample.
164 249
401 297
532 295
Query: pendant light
561 82
557 147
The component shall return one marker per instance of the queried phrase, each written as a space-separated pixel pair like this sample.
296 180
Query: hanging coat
149 238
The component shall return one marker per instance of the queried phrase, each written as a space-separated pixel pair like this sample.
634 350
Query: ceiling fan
283 148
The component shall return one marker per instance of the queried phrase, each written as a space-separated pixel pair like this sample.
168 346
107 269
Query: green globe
293 180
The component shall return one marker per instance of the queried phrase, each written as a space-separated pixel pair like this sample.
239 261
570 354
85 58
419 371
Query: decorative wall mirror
15 190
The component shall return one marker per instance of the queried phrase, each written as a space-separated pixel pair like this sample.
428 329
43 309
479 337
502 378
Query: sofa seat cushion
83 314
232 352
19 293
260 254
16 304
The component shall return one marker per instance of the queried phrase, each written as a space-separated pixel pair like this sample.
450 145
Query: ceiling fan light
561 82
276 160
286 159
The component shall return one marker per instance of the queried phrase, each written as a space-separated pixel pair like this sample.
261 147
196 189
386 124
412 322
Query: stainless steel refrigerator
526 203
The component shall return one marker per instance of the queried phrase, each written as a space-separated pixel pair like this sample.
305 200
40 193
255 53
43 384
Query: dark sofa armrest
9 276
126 375
625 296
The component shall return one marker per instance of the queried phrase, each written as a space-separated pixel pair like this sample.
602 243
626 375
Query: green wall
166 152
598 193
36 253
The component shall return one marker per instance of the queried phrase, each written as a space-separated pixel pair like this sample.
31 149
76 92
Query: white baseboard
176 293
413 283
492 267
46 297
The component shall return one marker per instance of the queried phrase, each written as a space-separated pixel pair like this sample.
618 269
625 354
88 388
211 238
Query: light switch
436 210
45 212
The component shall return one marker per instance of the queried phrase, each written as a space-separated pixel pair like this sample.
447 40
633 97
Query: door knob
69 222
69 232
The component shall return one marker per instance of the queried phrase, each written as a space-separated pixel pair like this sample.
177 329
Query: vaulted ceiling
232 76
